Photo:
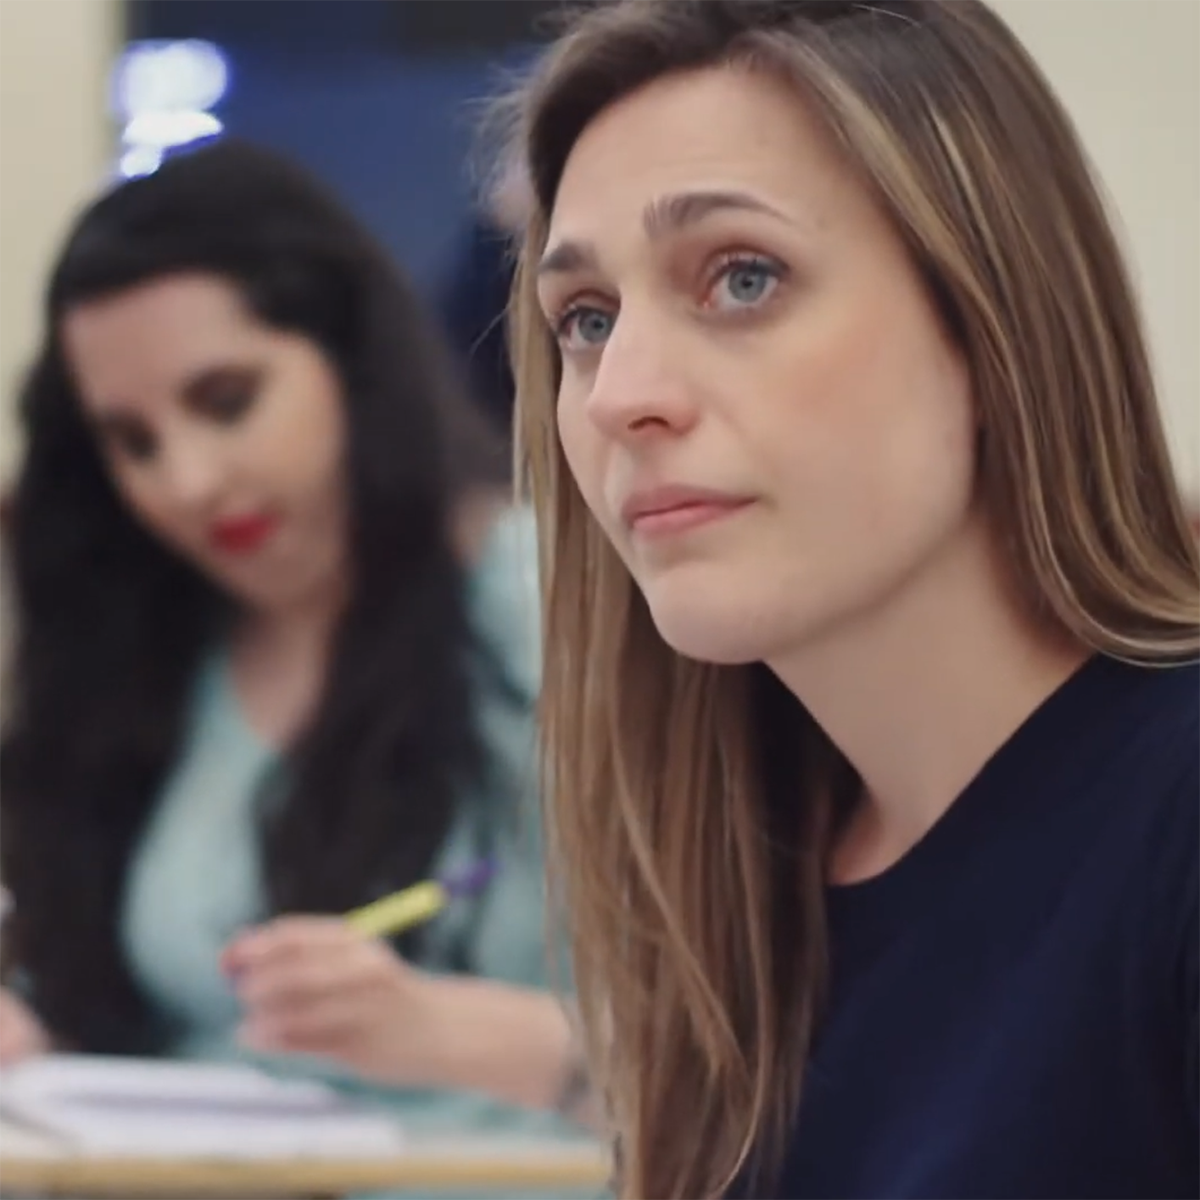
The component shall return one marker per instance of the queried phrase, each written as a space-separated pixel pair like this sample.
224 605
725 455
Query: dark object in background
472 307
466 25
420 28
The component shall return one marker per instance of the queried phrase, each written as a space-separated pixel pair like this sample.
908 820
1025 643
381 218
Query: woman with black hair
274 655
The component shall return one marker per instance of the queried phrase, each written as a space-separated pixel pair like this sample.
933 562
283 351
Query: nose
641 388
192 472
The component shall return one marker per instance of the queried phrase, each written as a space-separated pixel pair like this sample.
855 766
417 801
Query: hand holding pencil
329 986
316 985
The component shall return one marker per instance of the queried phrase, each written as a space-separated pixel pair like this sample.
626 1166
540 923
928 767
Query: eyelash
560 323
134 445
226 407
740 261
229 406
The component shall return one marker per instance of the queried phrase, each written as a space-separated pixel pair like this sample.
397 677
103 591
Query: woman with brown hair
871 609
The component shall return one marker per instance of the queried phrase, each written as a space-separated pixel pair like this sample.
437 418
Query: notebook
144 1107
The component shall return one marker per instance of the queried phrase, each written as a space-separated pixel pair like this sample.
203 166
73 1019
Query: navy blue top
1013 1006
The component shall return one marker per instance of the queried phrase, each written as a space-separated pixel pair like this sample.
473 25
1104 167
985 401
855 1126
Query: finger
308 978
284 935
284 938
13 1051
8 1043
18 1040
325 1027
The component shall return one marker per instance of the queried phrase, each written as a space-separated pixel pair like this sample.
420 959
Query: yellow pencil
404 910
401 911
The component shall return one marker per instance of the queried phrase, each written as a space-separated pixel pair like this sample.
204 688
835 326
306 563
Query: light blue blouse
195 877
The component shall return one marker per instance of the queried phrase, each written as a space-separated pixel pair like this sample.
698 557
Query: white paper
117 1106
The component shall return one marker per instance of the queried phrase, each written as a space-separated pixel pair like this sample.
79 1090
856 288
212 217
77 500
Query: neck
280 657
921 690
302 629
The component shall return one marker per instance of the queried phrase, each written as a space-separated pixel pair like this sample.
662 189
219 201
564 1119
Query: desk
446 1165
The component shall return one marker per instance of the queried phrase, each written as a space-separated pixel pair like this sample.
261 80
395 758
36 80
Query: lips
676 508
243 535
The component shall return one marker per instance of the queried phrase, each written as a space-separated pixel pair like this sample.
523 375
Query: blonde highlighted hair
689 805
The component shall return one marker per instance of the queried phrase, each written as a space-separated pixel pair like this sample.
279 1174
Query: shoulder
503 598
1161 735
1157 772
1171 758
1151 752
1119 793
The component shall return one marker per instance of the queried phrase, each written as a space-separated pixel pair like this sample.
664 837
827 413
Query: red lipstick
243 535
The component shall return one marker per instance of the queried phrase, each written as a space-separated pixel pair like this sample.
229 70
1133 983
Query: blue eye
744 283
584 328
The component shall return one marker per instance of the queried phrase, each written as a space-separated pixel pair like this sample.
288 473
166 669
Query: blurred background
381 98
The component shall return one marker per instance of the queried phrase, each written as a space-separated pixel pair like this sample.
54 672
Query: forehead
151 336
715 128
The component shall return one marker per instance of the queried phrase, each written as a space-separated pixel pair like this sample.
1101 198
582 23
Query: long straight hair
692 877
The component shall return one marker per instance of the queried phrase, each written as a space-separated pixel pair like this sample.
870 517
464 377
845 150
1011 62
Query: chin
705 625
259 592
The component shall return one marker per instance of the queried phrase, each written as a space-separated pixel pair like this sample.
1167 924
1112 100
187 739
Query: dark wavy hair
112 626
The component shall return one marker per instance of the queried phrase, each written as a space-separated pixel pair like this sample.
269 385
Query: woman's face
225 437
758 402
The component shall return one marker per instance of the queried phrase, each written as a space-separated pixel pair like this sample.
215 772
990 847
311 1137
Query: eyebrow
666 215
197 385
192 390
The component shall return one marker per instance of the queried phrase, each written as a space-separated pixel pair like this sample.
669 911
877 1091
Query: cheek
323 456
302 445
924 445
912 484
147 503
883 413
151 507
582 448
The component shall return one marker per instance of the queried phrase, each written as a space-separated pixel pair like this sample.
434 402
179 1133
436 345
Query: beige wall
54 149
1129 71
